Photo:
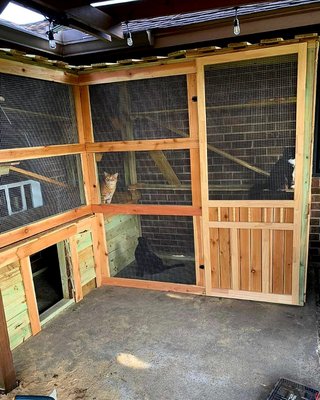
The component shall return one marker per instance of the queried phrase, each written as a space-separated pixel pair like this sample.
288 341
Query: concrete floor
131 344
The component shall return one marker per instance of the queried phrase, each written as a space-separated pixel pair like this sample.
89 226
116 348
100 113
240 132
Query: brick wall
314 244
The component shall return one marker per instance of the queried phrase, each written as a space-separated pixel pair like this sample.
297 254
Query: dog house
212 153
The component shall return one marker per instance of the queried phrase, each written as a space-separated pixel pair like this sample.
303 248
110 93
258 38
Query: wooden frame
68 224
301 50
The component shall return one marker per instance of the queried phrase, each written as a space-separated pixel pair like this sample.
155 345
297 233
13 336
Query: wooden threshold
152 285
143 209
255 296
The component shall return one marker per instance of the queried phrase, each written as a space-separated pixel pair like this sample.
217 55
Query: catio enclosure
210 160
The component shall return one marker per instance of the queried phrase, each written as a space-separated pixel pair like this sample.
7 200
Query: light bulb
52 42
236 27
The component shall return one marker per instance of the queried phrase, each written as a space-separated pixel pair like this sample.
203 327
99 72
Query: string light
236 23
52 42
129 37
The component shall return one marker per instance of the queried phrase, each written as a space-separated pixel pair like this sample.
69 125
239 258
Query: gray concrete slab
133 344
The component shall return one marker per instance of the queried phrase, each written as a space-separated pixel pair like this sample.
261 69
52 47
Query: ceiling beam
95 19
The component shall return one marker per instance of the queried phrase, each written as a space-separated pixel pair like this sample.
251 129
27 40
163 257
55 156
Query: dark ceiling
92 34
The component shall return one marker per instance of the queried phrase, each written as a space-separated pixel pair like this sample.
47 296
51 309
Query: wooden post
7 373
75 269
100 249
30 293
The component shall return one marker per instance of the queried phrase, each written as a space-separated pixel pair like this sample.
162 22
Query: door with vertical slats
250 127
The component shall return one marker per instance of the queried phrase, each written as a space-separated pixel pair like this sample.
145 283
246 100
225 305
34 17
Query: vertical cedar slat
195 175
265 264
277 262
224 252
30 293
214 257
256 253
7 372
244 253
288 253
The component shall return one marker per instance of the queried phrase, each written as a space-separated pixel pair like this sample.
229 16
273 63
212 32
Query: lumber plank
146 209
37 72
30 294
244 253
256 253
100 249
224 252
252 225
165 168
247 295
78 293
162 69
152 285
38 176
299 160
142 145
28 153
8 379
278 262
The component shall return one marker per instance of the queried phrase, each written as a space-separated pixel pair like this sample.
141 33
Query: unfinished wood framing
250 249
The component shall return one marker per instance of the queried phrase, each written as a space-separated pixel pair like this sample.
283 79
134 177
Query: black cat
281 178
147 261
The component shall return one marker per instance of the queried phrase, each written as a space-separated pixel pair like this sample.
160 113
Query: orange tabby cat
108 187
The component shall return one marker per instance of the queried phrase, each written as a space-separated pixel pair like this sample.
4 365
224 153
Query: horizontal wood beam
128 73
22 68
162 286
252 203
142 145
8 379
255 296
145 209
252 225
43 225
97 19
29 153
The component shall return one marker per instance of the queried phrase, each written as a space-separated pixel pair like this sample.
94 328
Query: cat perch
37 176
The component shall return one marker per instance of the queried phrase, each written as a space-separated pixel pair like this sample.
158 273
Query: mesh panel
150 247
154 177
41 188
35 113
251 114
144 109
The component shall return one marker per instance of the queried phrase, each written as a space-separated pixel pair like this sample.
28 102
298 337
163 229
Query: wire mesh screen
34 189
35 113
154 177
251 128
159 248
143 109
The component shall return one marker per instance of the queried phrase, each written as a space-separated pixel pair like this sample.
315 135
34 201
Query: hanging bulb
52 42
129 38
236 23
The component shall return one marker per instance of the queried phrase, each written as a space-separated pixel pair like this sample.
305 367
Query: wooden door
251 109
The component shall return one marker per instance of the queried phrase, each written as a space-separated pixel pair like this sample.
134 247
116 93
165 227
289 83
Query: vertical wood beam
7 372
195 175
75 269
204 173
311 73
30 293
100 249
300 120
